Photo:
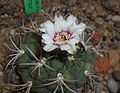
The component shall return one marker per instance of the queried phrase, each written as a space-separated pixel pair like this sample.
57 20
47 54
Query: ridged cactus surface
52 72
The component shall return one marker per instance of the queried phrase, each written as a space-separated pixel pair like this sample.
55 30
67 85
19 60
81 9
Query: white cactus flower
62 33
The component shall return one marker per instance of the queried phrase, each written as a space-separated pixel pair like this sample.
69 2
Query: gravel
108 17
117 37
99 15
116 18
8 10
99 20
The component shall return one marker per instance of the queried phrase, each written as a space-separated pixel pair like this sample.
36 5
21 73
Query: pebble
117 25
103 92
72 2
110 4
116 18
101 12
12 31
15 23
108 17
1 67
8 9
99 20
1 74
117 37
97 87
112 85
1 23
91 13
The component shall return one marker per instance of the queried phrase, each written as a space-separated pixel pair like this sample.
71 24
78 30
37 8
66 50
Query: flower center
61 37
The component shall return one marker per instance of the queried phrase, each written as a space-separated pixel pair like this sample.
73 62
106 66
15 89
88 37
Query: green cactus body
72 72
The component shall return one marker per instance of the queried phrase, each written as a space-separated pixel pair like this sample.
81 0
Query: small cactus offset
55 59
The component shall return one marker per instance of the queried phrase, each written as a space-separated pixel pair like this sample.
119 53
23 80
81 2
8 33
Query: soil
101 16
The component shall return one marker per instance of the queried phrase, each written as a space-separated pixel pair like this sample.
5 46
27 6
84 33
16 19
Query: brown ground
98 14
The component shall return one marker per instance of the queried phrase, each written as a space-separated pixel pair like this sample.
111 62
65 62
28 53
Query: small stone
103 92
108 17
112 85
117 24
14 23
1 73
90 9
1 23
101 12
117 37
12 31
111 5
1 67
97 87
99 20
91 13
8 9
116 18
72 2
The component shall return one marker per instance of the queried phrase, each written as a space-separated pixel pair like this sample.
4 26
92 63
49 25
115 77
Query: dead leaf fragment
110 60
114 57
103 63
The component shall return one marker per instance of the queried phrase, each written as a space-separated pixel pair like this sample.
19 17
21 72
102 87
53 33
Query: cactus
54 72
44 72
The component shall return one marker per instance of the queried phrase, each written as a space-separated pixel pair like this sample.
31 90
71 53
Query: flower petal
47 39
48 27
69 48
70 20
73 41
77 28
63 24
82 26
57 25
60 24
49 47
43 30
56 18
